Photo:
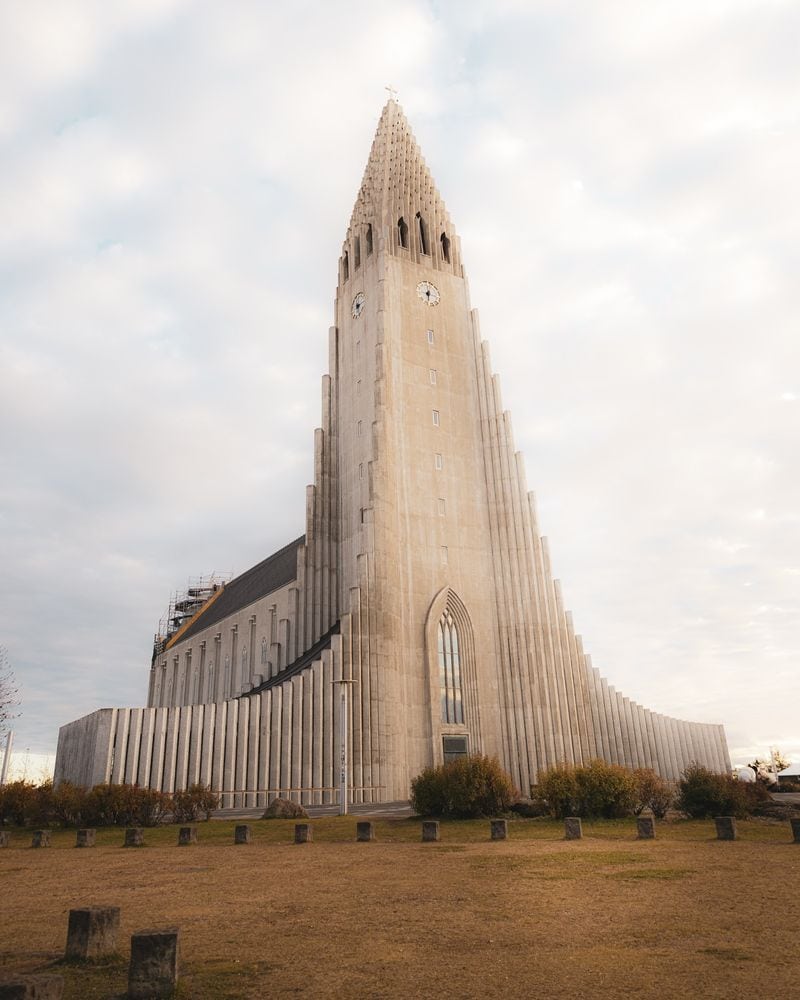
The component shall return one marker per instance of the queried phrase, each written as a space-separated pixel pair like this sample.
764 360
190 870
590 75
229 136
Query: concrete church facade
421 576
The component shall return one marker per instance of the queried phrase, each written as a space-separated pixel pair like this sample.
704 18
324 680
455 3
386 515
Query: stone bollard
499 829
134 837
153 971
573 830
92 932
32 988
187 835
41 838
241 835
795 830
303 833
365 831
726 827
84 838
5 838
645 827
430 830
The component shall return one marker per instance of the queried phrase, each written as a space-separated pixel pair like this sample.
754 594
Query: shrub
652 792
704 793
465 788
17 802
68 803
557 790
605 790
193 802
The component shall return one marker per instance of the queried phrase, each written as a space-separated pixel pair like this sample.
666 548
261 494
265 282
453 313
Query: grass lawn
684 915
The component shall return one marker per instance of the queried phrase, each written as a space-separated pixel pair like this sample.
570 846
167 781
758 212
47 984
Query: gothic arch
448 603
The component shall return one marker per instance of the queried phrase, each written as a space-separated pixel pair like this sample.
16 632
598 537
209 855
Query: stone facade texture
422 574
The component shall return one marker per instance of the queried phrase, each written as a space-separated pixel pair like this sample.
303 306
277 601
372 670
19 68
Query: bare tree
8 691
768 770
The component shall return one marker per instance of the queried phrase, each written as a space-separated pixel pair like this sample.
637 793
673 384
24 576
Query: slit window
432 375
402 232
345 266
435 418
422 234
442 507
439 462
369 239
445 248
357 253
430 337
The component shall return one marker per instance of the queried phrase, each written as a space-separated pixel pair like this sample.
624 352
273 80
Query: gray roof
271 573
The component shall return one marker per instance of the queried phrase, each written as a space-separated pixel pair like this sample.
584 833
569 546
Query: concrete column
252 751
153 970
92 932
241 777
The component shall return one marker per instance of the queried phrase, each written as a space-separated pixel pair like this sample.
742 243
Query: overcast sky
176 179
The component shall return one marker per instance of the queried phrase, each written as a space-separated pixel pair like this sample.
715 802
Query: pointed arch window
402 232
369 238
445 248
422 234
357 252
452 702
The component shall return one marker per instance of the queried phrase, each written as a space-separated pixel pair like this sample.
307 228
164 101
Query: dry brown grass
608 916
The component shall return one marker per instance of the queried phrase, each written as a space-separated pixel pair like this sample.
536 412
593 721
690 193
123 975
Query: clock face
358 305
428 293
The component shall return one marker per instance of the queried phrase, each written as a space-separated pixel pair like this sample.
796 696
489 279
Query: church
422 588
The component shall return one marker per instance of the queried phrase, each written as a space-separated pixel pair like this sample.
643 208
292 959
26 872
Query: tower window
264 650
360 470
369 239
435 418
430 336
452 703
422 234
442 507
445 248
358 428
439 462
345 266
357 252
432 375
444 555
402 232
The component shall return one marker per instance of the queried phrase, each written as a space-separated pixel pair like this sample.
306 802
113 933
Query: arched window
445 248
345 266
402 232
369 238
452 703
422 235
264 649
357 252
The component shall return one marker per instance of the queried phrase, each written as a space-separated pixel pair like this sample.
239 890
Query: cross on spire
392 93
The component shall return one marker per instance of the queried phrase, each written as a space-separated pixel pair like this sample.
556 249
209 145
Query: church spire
399 202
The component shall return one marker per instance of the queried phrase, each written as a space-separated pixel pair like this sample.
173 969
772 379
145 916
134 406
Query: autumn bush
596 789
466 788
194 802
652 792
703 793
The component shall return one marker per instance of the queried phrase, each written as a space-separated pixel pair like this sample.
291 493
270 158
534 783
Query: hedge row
24 804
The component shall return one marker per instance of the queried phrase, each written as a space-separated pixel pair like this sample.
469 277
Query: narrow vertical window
445 248
357 252
402 232
430 336
369 238
422 235
435 418
358 386
439 462
358 428
444 555
451 698
345 266
442 507
360 470
432 376
264 649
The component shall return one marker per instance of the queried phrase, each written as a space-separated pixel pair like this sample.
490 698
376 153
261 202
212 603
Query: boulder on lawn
284 809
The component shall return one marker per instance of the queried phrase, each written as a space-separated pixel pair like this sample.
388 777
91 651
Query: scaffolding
184 605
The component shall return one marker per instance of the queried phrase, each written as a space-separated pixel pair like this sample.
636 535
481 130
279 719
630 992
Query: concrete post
645 827
85 838
365 831
187 835
5 838
241 835
41 838
153 971
134 837
32 988
499 828
573 830
430 830
92 932
795 830
726 827
303 833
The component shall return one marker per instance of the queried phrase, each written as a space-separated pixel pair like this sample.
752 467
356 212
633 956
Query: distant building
421 575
